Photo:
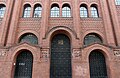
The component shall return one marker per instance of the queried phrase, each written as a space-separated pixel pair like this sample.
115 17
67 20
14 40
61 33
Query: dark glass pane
97 65
29 38
60 57
92 38
23 67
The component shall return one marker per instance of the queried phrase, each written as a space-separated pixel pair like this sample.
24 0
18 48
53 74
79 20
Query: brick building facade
59 39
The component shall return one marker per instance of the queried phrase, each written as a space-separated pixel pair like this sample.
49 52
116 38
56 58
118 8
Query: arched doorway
60 66
24 62
97 65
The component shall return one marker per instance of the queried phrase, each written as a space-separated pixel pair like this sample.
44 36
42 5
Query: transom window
92 38
55 11
117 2
94 11
83 11
66 11
2 10
37 10
29 38
27 10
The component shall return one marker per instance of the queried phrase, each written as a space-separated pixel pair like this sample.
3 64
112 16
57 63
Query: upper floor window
92 38
37 10
66 10
29 38
2 10
55 11
83 11
117 2
94 11
27 10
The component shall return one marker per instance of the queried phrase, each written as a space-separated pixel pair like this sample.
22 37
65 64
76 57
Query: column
107 23
14 23
6 22
76 16
114 20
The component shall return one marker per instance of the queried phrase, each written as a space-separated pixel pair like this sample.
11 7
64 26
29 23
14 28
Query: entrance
97 65
24 64
60 66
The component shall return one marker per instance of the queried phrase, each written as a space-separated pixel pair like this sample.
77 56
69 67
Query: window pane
29 38
2 11
55 11
92 38
37 11
94 12
27 11
66 12
117 2
83 12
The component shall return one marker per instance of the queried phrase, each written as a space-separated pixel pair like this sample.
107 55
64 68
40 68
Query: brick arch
3 3
38 3
64 28
84 3
96 32
28 31
18 49
55 3
68 4
105 50
27 3
94 3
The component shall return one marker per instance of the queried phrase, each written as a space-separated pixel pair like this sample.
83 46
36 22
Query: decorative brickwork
13 25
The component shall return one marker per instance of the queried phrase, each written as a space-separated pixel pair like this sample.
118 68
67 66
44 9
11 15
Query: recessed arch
63 30
94 10
60 64
24 64
97 64
29 38
37 10
26 10
2 10
92 38
83 10
66 10
55 10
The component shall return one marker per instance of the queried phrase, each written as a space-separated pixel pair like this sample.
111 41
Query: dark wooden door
24 64
97 65
60 57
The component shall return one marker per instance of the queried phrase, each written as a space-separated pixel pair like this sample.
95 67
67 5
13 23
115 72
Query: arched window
27 10
94 11
24 63
92 38
83 11
55 11
37 10
2 10
117 2
66 10
29 38
97 65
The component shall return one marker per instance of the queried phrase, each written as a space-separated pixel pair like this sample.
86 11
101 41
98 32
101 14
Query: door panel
60 57
24 65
